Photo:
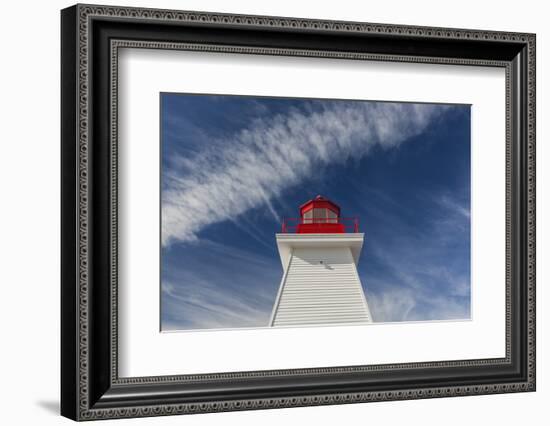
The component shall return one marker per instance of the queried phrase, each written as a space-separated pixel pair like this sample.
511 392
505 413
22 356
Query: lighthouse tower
319 253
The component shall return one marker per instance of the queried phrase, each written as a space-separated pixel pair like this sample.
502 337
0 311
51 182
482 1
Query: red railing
296 225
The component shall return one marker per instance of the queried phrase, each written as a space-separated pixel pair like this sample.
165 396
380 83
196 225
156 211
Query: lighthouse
319 252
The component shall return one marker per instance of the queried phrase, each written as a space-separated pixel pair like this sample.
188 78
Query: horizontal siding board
322 322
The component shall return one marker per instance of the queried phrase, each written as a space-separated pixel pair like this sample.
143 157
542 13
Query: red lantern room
320 216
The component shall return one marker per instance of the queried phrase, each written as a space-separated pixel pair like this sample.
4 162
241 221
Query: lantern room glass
332 217
308 216
320 215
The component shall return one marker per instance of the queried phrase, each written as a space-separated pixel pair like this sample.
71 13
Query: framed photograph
263 212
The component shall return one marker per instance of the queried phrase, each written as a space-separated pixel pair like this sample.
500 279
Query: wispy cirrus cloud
209 288
425 274
204 306
446 201
252 167
398 304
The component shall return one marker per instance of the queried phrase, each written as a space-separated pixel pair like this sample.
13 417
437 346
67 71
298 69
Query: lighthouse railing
290 225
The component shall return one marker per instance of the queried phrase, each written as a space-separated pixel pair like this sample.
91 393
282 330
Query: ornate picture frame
91 37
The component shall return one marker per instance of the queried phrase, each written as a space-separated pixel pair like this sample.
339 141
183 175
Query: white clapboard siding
320 286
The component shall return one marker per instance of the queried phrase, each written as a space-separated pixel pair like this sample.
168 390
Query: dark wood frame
90 386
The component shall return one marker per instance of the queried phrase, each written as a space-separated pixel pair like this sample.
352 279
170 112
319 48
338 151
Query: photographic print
298 212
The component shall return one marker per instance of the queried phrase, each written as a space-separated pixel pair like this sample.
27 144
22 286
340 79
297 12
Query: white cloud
392 304
210 288
204 306
403 304
229 177
448 202
422 280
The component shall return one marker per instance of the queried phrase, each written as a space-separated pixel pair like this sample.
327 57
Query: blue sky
233 167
